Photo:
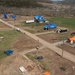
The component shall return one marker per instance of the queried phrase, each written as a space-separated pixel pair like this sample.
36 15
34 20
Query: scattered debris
1 37
8 52
22 69
39 58
62 68
73 33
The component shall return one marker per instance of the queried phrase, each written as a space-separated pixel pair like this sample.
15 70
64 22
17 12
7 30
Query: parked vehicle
61 30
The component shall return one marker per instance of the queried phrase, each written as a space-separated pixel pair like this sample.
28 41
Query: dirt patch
53 63
3 26
25 42
54 37
11 65
68 48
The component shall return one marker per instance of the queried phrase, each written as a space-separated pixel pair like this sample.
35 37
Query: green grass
64 22
59 21
33 57
6 43
37 27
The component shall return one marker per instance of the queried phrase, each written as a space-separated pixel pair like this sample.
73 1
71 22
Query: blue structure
14 17
39 19
48 26
5 15
8 52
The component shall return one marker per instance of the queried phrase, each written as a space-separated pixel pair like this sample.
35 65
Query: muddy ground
25 42
67 47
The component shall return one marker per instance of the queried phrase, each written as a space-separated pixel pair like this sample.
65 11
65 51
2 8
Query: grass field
64 22
59 21
35 27
6 43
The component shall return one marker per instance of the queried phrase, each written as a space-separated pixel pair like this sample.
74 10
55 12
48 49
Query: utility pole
38 46
62 49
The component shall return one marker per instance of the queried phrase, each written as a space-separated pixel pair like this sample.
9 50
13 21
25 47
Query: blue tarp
14 17
5 15
8 52
39 18
52 26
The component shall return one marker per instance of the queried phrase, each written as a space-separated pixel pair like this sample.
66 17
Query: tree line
20 3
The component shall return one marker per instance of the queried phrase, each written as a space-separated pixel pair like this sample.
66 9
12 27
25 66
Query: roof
72 38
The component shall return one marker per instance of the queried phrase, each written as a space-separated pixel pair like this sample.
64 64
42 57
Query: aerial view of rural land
37 37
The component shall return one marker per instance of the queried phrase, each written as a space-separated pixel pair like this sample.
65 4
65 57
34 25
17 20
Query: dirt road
51 46
44 33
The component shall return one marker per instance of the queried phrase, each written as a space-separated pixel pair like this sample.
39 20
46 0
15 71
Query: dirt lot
68 48
3 26
54 37
53 63
25 42
9 66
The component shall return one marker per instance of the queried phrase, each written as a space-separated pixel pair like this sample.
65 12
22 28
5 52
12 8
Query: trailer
61 30
29 21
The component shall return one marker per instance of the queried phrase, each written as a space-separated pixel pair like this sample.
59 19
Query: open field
52 62
38 27
67 48
9 37
64 22
54 37
24 42
20 42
